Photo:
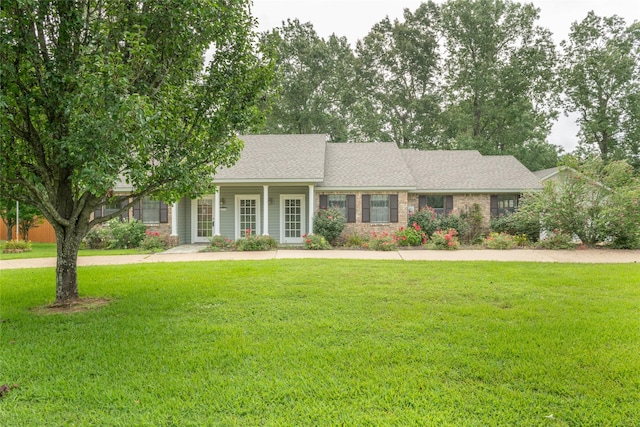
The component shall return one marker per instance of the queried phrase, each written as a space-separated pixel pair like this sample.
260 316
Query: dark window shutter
124 215
97 213
351 208
518 197
494 206
366 208
448 204
393 207
164 213
137 210
422 202
324 201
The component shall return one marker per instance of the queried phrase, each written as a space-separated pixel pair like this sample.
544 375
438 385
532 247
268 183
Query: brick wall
463 202
366 228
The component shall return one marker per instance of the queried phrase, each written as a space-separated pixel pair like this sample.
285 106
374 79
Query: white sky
354 18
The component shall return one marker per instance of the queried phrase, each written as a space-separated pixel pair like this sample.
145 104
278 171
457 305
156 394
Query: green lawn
326 342
48 250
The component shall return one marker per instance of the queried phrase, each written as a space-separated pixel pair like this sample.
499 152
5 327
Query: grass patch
326 342
48 250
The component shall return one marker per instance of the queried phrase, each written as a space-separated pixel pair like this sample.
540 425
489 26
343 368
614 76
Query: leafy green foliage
397 72
595 201
152 242
500 241
556 240
125 234
524 222
329 223
219 243
381 242
100 92
600 69
445 239
256 243
411 236
315 242
499 80
314 82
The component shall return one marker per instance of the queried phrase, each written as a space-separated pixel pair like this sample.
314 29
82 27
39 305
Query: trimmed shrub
152 242
499 241
411 236
125 234
517 223
382 242
219 243
442 239
315 242
16 246
427 219
557 240
329 223
256 243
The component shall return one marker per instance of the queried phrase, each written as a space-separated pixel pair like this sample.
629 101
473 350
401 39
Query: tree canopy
601 80
100 92
460 75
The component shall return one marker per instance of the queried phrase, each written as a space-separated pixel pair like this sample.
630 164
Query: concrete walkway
189 253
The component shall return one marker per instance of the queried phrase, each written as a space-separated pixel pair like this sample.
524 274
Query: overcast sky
354 18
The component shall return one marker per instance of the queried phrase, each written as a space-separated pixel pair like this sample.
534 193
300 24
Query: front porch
284 212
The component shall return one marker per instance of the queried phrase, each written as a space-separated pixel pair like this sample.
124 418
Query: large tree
499 79
397 73
314 82
601 79
97 92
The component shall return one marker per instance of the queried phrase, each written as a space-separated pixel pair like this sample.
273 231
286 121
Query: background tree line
465 74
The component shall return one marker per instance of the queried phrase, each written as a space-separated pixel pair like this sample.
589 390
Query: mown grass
48 250
326 342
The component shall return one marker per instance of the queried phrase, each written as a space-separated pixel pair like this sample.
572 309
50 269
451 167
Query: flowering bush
251 242
315 242
411 236
426 219
219 243
329 223
442 239
521 239
124 234
16 246
499 241
381 242
152 241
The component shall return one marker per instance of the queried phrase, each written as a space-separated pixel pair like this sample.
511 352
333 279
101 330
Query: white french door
247 215
202 219
292 220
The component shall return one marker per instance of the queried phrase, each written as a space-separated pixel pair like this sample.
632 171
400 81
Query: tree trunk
9 232
68 243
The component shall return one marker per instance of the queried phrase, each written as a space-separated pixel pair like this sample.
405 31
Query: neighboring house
280 181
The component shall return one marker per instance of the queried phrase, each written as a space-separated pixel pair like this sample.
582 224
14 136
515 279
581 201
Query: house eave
368 188
268 181
475 190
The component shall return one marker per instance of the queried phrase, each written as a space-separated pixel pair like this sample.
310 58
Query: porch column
311 207
265 210
216 213
174 219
